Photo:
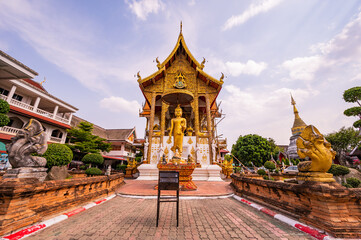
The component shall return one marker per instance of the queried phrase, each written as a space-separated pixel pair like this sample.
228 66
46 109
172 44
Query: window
17 97
4 92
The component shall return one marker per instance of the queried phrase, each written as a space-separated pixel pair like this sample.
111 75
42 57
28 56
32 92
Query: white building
29 99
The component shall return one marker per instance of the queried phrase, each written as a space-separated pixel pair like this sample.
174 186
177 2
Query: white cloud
215 66
143 8
252 11
303 68
260 110
119 104
249 68
67 45
341 53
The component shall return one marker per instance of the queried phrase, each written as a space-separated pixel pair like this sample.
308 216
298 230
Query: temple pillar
209 128
151 123
165 107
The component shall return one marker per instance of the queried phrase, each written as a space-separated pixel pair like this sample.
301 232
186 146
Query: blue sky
89 52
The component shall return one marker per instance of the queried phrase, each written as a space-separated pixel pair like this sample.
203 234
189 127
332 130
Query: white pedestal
214 172
210 173
200 174
148 172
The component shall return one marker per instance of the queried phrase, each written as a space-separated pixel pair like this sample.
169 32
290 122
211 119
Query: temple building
180 110
124 142
298 126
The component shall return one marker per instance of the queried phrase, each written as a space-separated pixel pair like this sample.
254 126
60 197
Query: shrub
93 171
57 155
93 158
338 170
268 178
4 106
121 167
261 172
269 165
354 182
287 162
84 167
346 185
277 171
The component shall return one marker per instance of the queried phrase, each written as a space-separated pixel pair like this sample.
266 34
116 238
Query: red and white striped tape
32 229
304 228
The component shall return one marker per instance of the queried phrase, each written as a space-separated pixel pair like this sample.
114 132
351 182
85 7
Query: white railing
64 120
21 104
38 111
55 139
44 113
10 130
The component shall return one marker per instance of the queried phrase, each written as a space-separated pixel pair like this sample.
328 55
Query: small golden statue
178 125
311 143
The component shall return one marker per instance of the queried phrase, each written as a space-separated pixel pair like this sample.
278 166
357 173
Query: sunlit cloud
252 11
143 8
119 105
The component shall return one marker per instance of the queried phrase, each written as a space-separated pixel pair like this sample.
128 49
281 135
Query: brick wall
26 201
330 207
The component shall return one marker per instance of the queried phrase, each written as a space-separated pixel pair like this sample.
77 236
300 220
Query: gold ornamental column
151 125
209 128
165 107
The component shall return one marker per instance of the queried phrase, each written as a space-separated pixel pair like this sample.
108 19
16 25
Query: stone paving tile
127 218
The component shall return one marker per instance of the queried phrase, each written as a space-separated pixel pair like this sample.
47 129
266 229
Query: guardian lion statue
30 139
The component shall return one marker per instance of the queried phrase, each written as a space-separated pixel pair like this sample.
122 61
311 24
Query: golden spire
181 25
298 124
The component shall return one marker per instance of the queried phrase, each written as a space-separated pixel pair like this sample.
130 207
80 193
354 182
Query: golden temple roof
167 62
298 125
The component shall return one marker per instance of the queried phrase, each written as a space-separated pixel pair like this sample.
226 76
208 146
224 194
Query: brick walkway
128 218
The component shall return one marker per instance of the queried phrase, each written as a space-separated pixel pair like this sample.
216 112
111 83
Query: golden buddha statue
177 127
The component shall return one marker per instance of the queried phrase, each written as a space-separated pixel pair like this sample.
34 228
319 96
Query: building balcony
9 130
30 108
55 139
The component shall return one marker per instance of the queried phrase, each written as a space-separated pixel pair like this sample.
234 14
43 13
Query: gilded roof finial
222 77
181 27
41 83
158 63
202 63
138 75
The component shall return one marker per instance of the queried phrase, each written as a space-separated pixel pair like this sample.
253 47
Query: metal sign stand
168 180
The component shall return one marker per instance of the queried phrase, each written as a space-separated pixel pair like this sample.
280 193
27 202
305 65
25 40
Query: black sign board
168 180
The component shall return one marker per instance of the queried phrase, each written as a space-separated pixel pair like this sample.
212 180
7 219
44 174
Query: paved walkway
129 218
146 188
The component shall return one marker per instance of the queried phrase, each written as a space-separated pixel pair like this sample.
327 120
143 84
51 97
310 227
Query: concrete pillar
36 104
151 125
55 112
209 128
11 93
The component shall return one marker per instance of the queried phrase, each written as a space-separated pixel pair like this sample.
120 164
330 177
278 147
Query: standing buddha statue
177 127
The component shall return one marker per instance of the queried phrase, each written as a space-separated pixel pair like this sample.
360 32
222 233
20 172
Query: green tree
93 158
343 141
57 155
4 109
252 148
82 141
353 95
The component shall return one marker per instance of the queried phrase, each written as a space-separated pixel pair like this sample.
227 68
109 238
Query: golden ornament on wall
180 81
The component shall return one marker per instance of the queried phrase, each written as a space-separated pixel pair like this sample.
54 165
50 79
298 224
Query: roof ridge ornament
202 63
181 25
222 77
158 63
138 75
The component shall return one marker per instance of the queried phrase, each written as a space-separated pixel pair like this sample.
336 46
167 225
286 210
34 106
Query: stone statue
145 152
160 153
178 125
30 139
312 144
